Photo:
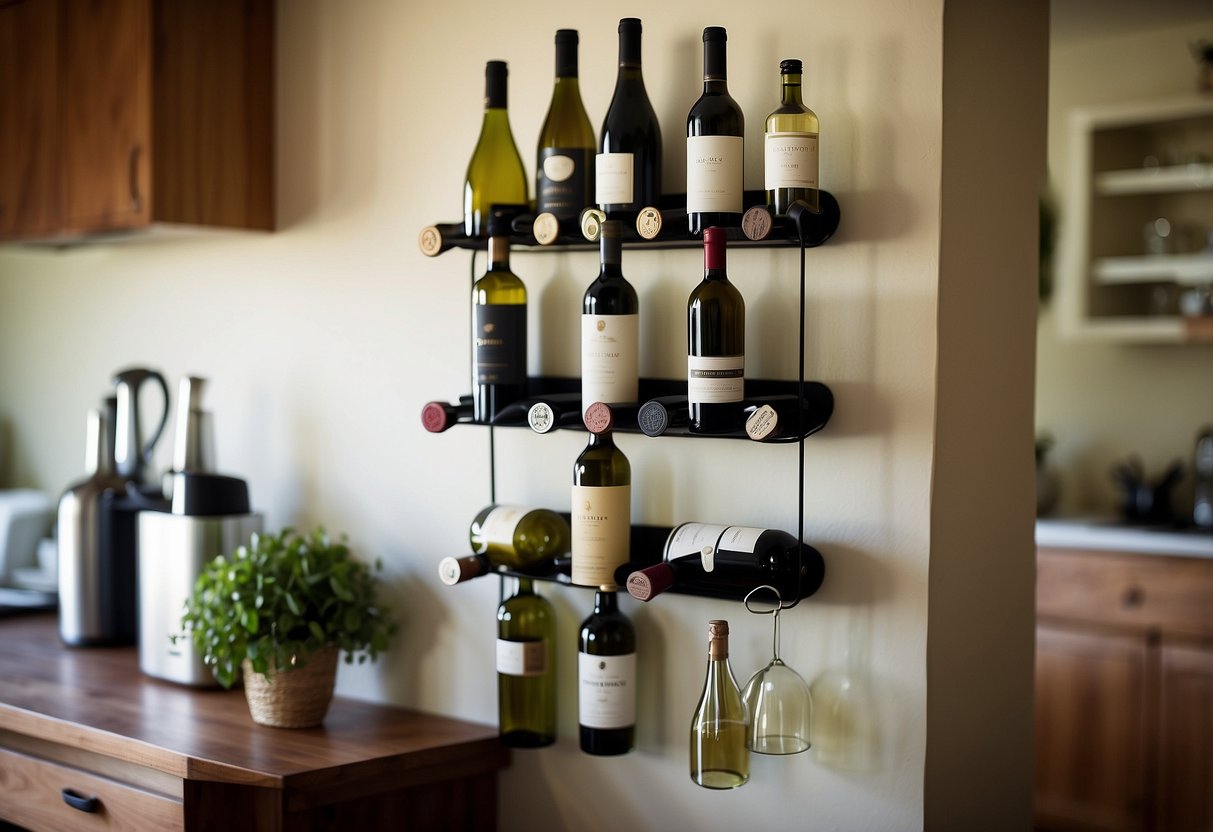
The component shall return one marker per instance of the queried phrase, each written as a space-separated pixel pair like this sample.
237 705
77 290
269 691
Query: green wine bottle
606 678
564 164
790 147
719 756
715 344
495 175
521 539
601 504
526 669
499 329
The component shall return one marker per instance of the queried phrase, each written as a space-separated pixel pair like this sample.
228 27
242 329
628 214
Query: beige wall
324 339
1103 401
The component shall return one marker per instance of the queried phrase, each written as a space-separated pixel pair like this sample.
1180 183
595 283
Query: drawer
32 795
1172 595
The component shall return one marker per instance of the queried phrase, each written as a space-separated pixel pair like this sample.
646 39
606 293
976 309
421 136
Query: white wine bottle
628 167
495 175
526 669
791 147
516 537
606 678
610 328
564 164
715 145
499 329
715 344
719 756
601 504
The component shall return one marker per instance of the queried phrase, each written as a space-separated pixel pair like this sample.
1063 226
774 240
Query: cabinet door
1091 729
29 181
1185 763
106 98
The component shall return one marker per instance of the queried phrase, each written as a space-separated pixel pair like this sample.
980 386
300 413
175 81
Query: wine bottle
439 237
518 413
606 678
790 147
658 415
628 169
610 328
728 562
564 167
719 757
522 539
437 417
495 174
526 669
715 145
499 337
715 344
601 504
776 417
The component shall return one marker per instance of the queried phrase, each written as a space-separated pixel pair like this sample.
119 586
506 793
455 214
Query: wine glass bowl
776 698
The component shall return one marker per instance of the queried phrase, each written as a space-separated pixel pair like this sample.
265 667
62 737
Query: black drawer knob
76 800
1134 596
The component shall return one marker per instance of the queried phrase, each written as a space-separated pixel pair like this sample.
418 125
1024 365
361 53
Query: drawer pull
1135 596
76 800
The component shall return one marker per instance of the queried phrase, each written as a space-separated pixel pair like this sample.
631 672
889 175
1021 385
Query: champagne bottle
610 328
719 757
715 145
564 168
606 676
522 539
728 562
499 337
715 344
526 669
790 147
495 174
601 504
628 167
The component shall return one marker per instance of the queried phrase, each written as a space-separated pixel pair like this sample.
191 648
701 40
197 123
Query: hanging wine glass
777 698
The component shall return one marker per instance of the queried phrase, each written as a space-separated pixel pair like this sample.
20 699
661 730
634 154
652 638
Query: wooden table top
97 699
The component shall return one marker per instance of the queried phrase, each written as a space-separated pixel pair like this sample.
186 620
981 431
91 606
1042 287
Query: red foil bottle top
598 418
434 418
645 584
713 248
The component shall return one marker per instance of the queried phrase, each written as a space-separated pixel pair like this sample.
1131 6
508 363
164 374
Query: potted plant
282 608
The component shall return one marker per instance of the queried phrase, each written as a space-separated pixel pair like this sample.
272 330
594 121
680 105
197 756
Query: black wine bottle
601 504
564 165
628 167
715 344
606 678
610 328
437 416
518 413
499 338
439 237
715 145
729 562
495 176
777 417
526 669
545 416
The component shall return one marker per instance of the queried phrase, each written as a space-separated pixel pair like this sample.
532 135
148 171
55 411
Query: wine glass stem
775 646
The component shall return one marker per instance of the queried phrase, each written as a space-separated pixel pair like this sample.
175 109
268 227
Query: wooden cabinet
1124 692
85 727
1139 199
125 113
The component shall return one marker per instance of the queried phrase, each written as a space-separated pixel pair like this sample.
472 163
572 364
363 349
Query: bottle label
714 166
522 658
694 539
613 179
715 379
607 691
497 530
499 344
740 539
602 528
790 160
610 358
563 183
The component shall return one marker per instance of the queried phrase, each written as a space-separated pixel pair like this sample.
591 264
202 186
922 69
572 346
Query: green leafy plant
281 597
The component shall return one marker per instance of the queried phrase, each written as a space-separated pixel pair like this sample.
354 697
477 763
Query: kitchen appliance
1202 467
25 518
210 515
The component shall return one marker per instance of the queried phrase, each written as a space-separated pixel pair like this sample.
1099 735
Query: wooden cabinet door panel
1185 763
29 151
106 101
1091 730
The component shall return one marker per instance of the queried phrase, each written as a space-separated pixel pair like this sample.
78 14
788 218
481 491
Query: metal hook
778 598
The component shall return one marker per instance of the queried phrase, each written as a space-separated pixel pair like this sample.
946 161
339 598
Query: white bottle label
601 527
790 160
693 539
714 379
497 530
522 658
613 179
559 168
610 358
714 167
740 539
606 696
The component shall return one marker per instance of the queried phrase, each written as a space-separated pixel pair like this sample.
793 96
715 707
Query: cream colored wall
324 339
1102 402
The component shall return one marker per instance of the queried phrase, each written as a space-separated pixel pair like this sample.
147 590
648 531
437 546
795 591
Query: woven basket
298 697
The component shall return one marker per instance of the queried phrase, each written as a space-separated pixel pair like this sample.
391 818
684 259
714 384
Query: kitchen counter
1108 534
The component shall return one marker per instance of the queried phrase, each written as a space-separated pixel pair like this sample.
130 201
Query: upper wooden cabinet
116 114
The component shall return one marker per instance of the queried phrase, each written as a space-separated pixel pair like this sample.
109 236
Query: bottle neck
495 87
718 652
499 254
525 587
605 602
715 70
566 60
714 260
610 257
601 440
791 91
629 48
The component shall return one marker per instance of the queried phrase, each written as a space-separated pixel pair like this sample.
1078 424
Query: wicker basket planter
297 697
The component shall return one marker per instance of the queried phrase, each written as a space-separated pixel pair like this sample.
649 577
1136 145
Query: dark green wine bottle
564 164
715 344
606 678
499 329
628 167
526 669
715 145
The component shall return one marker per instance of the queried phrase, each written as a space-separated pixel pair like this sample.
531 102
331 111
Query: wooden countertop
96 699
